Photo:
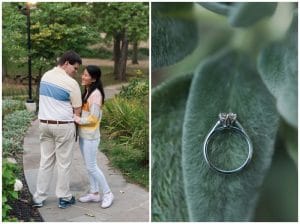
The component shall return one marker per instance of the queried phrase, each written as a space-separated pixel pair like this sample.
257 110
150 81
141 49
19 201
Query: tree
55 28
123 22
13 36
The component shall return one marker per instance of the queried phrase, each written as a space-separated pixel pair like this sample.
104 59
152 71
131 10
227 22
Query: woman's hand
76 119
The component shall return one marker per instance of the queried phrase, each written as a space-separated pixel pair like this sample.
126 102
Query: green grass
120 156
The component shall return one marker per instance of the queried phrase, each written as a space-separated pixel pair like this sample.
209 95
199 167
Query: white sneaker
90 198
107 200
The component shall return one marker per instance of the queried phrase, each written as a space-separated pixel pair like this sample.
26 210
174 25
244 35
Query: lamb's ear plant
171 28
259 85
168 199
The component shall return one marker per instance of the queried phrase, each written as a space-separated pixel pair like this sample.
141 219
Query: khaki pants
57 143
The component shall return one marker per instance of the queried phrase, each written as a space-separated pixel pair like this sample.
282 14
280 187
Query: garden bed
22 208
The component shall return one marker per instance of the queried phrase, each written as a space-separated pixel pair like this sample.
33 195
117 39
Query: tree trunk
117 54
134 58
123 58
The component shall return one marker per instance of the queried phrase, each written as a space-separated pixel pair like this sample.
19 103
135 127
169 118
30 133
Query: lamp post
30 105
29 100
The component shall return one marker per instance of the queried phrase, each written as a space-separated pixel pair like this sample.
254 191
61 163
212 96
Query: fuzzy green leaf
219 8
226 83
248 13
278 67
289 136
168 107
173 8
278 200
172 37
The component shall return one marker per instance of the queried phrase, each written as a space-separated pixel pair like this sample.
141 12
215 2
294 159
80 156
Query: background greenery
15 121
243 59
58 27
126 130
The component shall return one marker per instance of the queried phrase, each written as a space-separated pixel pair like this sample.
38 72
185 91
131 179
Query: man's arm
77 111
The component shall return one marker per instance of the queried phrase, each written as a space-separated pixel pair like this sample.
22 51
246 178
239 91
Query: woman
89 135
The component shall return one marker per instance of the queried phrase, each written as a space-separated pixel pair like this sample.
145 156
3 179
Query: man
60 97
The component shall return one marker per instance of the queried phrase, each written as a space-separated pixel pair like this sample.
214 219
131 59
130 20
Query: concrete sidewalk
131 201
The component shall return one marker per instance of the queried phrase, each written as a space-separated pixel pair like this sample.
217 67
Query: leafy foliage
54 29
116 16
13 34
128 122
257 82
9 105
14 125
125 121
123 23
137 89
9 175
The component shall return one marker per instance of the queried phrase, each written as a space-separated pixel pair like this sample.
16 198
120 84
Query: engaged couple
62 108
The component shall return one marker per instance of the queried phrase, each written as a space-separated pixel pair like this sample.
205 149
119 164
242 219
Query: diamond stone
227 120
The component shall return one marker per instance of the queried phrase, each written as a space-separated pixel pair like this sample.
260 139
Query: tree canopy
57 27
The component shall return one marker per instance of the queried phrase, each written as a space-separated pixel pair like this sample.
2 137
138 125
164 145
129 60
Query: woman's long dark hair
95 73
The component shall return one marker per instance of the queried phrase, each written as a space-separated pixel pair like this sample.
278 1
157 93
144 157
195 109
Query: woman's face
86 79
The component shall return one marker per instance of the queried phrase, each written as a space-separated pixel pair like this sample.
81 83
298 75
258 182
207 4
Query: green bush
125 123
126 120
14 127
9 174
137 89
10 105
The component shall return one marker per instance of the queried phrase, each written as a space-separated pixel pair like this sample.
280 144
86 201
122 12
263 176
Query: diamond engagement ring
227 122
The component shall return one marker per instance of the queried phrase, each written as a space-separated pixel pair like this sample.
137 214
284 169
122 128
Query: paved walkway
131 201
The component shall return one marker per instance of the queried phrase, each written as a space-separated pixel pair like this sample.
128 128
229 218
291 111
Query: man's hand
77 111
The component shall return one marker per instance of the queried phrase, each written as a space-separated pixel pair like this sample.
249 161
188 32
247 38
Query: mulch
22 208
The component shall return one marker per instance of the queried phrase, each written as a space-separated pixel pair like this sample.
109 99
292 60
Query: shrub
126 120
14 126
9 193
137 89
10 105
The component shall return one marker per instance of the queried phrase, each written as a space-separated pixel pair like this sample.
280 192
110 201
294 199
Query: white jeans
89 149
57 146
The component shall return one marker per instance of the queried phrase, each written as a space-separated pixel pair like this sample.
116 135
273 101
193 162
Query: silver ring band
227 122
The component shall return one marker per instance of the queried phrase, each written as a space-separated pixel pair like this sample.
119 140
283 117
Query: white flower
18 185
11 160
